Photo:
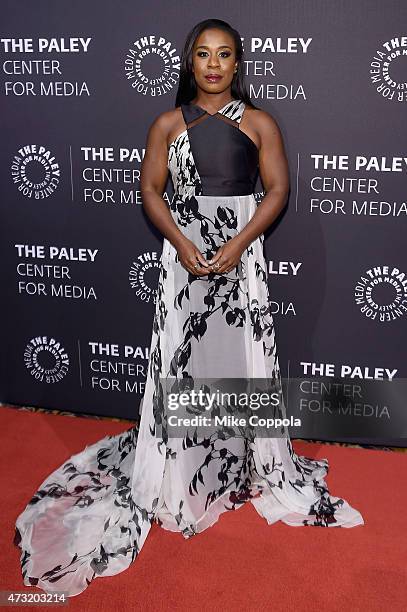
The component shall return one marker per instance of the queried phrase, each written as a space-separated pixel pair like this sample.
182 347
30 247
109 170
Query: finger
201 259
227 267
215 267
195 268
188 266
219 267
216 256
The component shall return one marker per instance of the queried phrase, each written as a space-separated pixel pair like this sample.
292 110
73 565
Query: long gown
90 517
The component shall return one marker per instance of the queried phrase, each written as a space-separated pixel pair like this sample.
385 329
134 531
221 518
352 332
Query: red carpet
240 563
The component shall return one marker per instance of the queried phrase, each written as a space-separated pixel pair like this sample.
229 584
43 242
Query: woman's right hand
189 255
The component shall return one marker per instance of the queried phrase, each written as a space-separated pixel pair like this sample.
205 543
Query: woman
91 517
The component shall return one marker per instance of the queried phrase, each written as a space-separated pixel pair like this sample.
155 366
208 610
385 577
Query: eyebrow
220 47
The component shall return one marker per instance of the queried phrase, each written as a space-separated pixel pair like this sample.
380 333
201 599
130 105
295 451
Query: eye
222 53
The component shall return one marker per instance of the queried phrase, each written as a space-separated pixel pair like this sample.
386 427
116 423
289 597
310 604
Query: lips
213 77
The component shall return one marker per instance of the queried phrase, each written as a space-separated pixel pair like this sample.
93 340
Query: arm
274 174
153 178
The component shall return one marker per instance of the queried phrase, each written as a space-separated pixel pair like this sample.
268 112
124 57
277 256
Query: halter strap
233 110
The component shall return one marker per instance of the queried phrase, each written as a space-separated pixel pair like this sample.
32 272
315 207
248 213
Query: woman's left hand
227 257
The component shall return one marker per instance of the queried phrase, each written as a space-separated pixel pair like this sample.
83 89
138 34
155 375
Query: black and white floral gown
91 516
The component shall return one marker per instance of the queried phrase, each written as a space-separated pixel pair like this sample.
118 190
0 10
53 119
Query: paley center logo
388 68
152 65
143 275
46 359
35 171
381 293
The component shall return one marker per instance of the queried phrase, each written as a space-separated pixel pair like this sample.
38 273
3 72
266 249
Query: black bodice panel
226 158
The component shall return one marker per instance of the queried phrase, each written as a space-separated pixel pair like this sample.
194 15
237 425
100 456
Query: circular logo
46 359
143 276
388 69
152 66
381 293
35 171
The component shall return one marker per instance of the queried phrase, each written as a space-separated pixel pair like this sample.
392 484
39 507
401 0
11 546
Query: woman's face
214 54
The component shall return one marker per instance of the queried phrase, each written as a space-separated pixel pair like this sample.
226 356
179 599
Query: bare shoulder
165 127
264 129
262 121
164 123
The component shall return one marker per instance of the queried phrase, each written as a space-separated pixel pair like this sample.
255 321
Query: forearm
160 215
267 211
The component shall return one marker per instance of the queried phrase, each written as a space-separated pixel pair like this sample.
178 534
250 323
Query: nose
213 60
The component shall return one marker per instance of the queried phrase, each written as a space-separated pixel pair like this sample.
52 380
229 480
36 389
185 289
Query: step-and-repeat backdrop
82 82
